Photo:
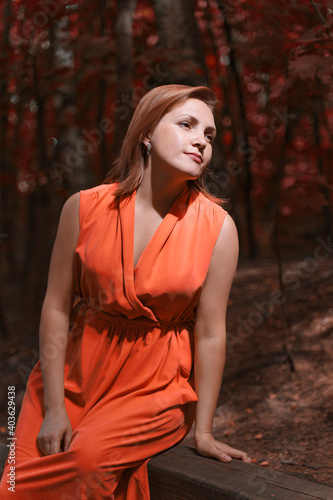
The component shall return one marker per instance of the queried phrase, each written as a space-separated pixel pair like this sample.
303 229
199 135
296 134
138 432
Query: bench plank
182 474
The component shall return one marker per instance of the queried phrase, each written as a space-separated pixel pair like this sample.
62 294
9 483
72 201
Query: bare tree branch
323 20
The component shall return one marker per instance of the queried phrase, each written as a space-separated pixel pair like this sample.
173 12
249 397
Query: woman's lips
195 156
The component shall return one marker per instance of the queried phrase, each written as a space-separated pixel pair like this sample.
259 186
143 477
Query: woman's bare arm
55 433
210 342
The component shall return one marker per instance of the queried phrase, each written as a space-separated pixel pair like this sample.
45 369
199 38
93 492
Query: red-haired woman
140 276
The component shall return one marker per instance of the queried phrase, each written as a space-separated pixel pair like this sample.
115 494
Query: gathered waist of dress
83 307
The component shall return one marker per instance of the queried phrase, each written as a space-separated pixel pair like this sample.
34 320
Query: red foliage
58 54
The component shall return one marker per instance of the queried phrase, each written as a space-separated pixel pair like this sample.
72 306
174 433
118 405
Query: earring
148 146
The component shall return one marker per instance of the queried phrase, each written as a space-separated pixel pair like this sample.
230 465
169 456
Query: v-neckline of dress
173 213
132 275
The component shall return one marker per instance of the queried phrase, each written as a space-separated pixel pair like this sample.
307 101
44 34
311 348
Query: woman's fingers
49 446
67 439
42 446
209 447
55 433
223 456
234 453
55 446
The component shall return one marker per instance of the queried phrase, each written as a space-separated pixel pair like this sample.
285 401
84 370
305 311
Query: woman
148 257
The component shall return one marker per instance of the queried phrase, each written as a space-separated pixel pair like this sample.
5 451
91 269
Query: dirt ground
278 408
280 412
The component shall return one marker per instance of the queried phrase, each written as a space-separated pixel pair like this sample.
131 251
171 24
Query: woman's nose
199 140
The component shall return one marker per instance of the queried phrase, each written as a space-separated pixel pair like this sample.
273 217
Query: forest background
71 74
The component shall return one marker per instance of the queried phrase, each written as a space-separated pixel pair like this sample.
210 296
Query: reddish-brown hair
129 167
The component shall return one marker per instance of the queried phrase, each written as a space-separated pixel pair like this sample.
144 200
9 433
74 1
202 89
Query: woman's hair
129 167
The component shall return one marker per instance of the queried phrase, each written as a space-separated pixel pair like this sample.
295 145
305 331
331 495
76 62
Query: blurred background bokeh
72 72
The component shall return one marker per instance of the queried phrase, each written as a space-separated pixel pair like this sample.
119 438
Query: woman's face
181 143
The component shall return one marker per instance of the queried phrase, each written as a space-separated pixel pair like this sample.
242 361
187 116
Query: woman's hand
55 433
207 446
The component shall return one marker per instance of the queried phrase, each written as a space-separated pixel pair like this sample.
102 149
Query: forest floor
277 408
280 412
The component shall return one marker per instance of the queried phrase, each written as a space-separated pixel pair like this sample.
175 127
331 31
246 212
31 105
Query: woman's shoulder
210 217
96 199
210 206
99 191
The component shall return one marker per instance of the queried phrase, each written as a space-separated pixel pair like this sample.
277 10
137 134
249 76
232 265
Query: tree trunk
247 175
285 319
102 96
178 33
325 190
4 166
125 65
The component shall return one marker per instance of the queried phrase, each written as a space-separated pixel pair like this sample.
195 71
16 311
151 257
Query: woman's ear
145 140
145 147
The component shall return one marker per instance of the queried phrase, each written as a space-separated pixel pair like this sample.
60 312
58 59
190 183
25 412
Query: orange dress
128 372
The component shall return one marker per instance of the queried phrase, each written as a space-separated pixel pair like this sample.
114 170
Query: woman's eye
209 137
185 124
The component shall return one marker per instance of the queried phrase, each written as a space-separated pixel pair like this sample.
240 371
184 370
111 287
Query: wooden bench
182 474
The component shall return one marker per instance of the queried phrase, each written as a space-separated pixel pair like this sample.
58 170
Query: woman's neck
159 193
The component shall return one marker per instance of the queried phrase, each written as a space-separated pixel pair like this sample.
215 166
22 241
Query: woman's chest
146 224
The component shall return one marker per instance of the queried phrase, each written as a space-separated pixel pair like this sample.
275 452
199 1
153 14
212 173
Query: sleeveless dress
128 372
